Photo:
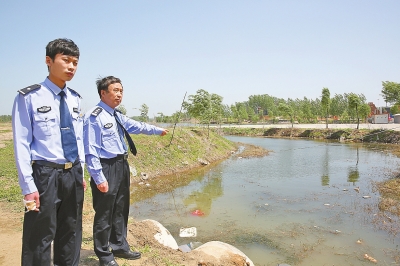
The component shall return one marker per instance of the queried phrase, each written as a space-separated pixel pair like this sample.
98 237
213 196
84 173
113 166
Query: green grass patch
9 187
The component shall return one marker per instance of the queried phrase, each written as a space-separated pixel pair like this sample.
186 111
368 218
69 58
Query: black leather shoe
110 263
129 255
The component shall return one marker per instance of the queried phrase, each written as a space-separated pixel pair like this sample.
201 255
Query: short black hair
61 46
103 83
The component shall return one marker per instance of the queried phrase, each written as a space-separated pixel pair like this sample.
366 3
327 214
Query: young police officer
106 159
48 146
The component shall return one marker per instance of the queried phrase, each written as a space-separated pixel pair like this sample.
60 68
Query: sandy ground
11 235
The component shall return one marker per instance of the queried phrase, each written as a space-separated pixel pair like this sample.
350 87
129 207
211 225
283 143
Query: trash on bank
188 232
189 247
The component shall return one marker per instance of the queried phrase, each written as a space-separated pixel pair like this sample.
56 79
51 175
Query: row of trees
208 108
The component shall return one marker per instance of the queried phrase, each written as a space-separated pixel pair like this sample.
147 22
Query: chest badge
44 109
108 125
75 109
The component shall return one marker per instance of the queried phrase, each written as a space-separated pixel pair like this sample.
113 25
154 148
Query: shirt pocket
109 139
45 124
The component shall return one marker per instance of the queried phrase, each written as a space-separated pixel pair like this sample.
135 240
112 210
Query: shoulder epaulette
75 92
29 89
97 111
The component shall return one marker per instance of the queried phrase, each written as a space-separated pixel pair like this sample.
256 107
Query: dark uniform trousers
59 218
112 209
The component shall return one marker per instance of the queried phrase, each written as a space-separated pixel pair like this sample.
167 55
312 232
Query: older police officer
106 159
47 131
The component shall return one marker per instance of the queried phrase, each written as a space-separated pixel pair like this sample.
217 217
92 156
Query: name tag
44 109
75 109
108 125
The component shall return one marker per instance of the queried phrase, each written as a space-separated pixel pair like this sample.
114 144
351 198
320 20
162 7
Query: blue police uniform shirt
102 139
36 129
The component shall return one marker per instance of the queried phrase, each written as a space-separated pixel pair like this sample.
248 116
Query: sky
164 49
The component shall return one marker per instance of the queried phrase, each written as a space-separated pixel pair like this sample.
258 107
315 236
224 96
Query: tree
144 110
204 106
338 105
395 109
391 91
364 111
287 111
354 104
160 118
121 108
325 103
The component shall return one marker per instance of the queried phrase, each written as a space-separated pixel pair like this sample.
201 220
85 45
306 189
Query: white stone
219 250
163 236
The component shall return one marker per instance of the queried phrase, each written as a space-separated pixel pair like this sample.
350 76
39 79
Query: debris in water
366 256
197 213
188 232
359 241
357 189
366 197
327 204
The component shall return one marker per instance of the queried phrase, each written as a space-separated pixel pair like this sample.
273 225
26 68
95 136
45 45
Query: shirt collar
106 107
54 88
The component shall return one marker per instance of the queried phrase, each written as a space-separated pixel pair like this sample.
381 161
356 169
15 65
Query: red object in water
197 213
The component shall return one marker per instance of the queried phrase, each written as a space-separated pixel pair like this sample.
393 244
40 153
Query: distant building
380 119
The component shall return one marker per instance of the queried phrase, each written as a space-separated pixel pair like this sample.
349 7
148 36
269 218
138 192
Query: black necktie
68 138
132 147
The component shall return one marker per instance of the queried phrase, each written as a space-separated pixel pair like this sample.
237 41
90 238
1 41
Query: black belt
118 157
67 165
122 156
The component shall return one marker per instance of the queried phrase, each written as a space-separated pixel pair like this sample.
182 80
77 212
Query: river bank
343 134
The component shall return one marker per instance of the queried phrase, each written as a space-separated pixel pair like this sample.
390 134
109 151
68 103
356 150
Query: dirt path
10 235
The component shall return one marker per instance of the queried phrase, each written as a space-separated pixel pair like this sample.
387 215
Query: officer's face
113 96
62 69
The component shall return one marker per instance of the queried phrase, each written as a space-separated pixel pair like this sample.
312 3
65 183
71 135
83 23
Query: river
306 203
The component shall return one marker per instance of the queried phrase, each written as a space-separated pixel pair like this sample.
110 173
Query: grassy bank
157 156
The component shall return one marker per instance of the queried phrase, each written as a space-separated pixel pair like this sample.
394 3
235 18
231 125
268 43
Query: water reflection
325 168
201 200
353 174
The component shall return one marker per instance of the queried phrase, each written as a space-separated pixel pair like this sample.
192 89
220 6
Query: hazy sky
162 49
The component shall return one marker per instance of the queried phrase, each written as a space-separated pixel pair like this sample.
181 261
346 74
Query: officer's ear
48 62
103 93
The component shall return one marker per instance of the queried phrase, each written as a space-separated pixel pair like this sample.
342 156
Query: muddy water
307 203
